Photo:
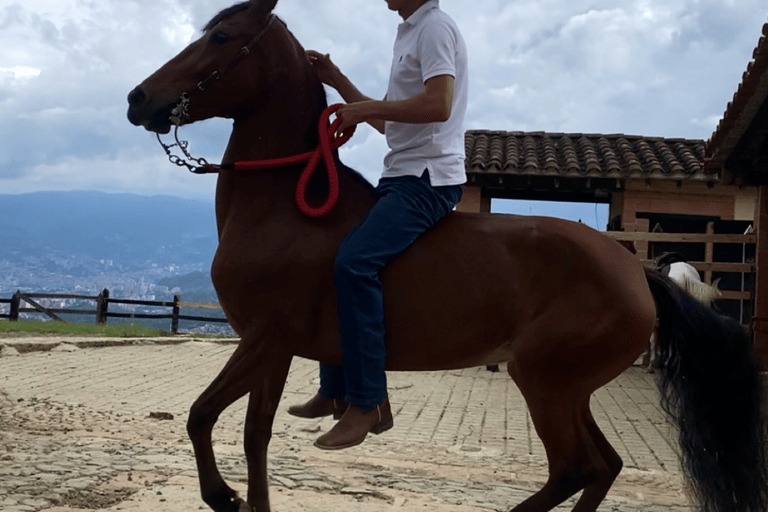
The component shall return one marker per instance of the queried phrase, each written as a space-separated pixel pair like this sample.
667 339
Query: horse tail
703 292
712 390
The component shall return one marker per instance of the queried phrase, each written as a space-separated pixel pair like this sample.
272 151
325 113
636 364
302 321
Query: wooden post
709 252
474 200
15 304
760 319
102 306
175 315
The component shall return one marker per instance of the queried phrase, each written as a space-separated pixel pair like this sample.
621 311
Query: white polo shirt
428 44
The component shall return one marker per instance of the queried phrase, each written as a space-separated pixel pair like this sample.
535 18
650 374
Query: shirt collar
419 13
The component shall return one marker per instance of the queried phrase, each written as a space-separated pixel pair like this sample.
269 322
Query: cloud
20 72
129 170
645 67
642 67
365 153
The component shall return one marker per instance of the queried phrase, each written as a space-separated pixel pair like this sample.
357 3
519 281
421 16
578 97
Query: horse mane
227 13
322 101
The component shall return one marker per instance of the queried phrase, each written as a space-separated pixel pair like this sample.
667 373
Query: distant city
147 248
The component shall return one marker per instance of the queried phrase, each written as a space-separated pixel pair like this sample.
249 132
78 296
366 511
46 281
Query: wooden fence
707 267
102 312
103 300
744 296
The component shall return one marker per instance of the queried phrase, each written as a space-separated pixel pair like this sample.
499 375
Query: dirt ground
62 453
415 479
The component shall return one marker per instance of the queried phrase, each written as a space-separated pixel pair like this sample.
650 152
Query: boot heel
383 426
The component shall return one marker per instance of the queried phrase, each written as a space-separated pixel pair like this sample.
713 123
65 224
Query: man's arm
431 106
331 75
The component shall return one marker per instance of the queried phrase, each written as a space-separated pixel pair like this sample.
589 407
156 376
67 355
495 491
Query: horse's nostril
136 97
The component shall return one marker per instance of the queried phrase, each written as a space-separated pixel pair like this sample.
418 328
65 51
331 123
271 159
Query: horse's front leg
239 376
262 405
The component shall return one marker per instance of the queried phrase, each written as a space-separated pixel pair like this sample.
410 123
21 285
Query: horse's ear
265 6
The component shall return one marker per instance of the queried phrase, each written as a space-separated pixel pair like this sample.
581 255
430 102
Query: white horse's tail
703 292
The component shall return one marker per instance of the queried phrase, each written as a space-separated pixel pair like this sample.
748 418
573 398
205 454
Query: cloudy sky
647 67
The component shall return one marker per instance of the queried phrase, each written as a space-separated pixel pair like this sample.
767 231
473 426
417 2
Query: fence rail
701 238
102 312
707 267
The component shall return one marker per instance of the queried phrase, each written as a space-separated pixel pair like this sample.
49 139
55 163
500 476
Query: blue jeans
406 207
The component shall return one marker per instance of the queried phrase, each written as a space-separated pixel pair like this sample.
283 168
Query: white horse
686 277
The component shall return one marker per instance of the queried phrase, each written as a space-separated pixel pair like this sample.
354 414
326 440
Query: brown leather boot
319 406
355 425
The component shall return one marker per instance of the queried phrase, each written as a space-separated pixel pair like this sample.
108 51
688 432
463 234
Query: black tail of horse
712 389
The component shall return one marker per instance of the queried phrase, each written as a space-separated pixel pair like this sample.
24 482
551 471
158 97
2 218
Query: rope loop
329 142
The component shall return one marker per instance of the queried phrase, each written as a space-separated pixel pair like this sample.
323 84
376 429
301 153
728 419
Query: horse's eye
219 38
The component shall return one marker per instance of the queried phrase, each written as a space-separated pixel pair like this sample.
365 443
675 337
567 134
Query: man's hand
326 70
352 114
331 75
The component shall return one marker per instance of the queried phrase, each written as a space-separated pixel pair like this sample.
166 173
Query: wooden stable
660 196
706 199
738 152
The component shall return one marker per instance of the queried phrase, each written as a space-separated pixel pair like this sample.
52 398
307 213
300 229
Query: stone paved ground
75 434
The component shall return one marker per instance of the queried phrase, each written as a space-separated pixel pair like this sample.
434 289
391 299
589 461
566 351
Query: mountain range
59 241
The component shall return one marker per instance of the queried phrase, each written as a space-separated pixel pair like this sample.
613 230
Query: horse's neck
282 126
278 128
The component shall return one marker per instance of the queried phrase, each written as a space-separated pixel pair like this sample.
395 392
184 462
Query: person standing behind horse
422 116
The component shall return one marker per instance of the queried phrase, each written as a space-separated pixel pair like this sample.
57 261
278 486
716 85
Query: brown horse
565 307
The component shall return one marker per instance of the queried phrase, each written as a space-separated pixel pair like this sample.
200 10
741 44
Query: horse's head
215 76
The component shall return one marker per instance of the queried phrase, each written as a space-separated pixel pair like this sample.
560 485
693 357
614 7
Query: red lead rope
329 142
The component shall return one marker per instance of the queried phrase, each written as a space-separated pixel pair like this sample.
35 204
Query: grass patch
76 329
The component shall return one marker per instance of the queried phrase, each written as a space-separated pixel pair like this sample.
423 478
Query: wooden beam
40 308
60 296
760 320
732 295
700 238
701 266
200 305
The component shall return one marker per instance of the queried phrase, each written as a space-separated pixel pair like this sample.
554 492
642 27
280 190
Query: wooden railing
706 267
101 311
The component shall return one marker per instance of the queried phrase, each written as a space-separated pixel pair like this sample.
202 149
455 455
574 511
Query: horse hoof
243 506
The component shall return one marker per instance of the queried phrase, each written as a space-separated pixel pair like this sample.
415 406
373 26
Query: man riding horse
422 117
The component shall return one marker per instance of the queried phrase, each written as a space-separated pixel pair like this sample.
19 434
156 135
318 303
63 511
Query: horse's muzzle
152 115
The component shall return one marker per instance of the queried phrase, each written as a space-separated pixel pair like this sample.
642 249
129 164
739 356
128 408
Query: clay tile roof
585 155
741 111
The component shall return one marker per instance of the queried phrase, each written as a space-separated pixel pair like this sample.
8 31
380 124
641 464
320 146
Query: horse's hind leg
608 467
579 456
565 441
